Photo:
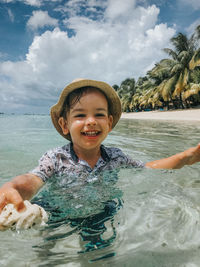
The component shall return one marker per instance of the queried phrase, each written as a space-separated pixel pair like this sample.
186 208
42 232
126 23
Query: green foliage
172 82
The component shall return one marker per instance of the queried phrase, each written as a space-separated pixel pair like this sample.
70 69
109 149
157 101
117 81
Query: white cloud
36 3
118 8
33 2
11 15
191 29
195 4
7 1
40 19
109 49
91 8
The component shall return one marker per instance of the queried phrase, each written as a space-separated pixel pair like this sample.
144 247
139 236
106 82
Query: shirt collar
72 153
104 153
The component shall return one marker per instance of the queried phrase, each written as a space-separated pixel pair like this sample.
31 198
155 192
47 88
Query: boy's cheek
76 123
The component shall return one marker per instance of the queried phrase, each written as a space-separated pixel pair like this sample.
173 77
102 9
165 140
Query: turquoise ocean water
130 218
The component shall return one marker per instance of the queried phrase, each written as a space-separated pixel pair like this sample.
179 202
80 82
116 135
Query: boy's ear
110 121
63 124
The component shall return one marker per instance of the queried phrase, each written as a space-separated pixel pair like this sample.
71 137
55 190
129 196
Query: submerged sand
174 115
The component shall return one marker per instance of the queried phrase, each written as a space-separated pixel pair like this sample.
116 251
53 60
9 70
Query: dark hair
75 96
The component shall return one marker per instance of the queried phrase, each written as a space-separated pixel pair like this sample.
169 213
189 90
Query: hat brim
113 98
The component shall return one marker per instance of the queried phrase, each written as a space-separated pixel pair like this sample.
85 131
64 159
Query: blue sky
45 44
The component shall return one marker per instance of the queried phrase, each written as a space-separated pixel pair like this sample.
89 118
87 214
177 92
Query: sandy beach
178 115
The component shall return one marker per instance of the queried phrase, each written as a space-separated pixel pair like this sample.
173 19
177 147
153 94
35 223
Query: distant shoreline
192 115
172 115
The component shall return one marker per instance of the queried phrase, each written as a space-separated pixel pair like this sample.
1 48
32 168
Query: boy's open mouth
91 133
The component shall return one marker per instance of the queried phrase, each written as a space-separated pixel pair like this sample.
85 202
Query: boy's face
88 121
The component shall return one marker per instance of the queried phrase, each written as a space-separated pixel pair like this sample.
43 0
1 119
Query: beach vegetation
172 83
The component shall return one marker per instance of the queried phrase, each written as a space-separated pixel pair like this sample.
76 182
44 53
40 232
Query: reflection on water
84 207
128 217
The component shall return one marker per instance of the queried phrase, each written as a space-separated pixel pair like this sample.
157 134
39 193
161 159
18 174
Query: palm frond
195 61
194 89
168 88
176 68
180 42
171 53
179 86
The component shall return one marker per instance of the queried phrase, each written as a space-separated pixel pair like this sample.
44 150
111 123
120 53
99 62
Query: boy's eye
82 115
79 115
100 114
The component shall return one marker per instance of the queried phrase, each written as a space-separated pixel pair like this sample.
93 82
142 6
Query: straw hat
113 98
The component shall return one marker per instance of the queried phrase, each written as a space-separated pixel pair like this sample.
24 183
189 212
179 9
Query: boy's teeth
91 133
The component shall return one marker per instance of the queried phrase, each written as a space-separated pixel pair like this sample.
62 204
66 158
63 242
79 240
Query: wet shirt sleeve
118 158
134 163
45 168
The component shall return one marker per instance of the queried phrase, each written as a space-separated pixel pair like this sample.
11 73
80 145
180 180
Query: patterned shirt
63 161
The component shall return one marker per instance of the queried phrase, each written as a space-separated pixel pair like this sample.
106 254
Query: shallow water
133 218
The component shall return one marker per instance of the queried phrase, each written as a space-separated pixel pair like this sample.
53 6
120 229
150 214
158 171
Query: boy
86 112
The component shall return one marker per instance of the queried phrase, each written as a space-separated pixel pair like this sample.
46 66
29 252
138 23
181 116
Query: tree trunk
181 101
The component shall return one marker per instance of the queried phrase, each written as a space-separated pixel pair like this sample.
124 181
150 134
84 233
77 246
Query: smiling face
88 122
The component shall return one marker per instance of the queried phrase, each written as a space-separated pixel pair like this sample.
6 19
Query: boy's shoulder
120 158
59 150
113 152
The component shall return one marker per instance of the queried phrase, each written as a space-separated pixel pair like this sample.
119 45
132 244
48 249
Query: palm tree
126 92
173 81
192 92
164 83
179 73
173 76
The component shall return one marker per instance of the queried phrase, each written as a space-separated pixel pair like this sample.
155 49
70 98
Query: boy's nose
91 121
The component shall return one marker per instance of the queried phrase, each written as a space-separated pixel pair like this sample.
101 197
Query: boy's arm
187 157
19 189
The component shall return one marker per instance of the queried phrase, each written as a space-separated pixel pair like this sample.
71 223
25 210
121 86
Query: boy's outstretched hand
21 188
187 157
11 195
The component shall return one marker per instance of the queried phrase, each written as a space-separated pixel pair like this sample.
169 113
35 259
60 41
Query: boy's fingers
20 207
16 199
2 201
11 196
